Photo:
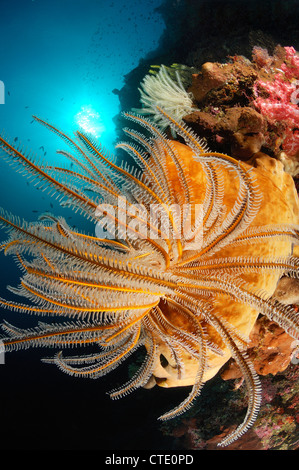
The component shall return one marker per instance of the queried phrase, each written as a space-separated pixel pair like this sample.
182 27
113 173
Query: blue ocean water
60 60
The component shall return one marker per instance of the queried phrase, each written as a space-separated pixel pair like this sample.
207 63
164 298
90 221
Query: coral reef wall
211 30
236 38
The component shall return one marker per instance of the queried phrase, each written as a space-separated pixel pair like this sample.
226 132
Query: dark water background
58 57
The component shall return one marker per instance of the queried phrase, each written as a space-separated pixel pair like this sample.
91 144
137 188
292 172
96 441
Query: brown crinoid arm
143 374
183 340
250 376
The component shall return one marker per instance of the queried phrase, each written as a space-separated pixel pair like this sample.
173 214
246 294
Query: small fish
51 205
15 139
35 211
42 148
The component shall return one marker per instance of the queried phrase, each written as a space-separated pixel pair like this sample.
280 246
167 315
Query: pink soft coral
291 67
281 103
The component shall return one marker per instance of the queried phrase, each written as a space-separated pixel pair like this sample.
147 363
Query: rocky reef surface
223 404
244 106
